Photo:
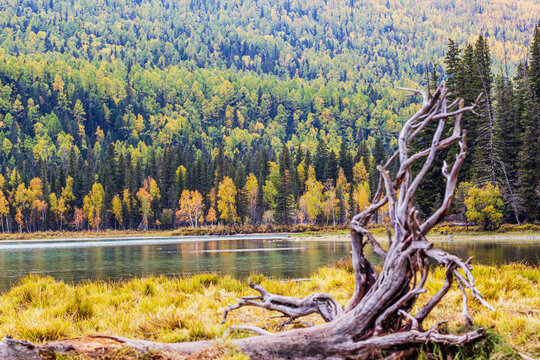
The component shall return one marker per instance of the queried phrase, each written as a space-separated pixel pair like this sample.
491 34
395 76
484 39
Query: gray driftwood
292 308
378 316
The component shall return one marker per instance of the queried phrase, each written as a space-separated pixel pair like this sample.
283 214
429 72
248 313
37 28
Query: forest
159 114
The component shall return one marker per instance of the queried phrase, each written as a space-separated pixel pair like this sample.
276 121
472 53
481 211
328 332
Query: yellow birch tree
191 207
251 190
93 206
227 200
116 209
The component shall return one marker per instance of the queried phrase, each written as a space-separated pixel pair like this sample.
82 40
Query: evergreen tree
508 134
240 182
331 168
299 157
119 173
345 161
321 159
468 121
285 200
486 151
534 64
152 164
529 155
434 76
108 176
307 160
220 167
379 153
362 153
453 73
507 123
264 172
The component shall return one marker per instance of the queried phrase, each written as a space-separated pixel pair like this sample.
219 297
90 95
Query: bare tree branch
426 310
320 303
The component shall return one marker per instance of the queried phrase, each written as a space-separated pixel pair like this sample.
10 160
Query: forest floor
338 232
166 309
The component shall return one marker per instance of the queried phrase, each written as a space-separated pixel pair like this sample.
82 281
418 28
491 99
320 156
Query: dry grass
190 308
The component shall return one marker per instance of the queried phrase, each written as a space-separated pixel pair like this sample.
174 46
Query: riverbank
190 308
304 231
521 237
217 230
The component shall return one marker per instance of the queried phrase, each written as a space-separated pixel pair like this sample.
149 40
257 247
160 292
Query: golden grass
190 308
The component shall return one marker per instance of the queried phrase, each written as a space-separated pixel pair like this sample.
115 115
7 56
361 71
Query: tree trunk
378 316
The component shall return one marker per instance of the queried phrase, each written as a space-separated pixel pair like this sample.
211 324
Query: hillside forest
139 114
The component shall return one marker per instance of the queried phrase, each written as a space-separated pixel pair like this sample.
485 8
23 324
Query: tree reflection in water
238 256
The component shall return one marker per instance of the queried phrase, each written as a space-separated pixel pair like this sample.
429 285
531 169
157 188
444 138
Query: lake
278 256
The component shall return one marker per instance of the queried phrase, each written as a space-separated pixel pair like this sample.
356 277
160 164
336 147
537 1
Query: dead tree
378 316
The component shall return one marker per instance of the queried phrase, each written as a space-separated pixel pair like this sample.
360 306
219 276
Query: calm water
277 256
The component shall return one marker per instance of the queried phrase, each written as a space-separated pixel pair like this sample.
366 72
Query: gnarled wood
381 303
293 308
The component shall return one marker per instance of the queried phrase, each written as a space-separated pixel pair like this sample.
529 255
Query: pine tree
166 178
507 122
508 133
263 173
468 121
119 172
299 157
220 167
486 151
433 76
240 182
345 161
307 160
321 159
362 153
529 155
453 73
331 168
108 175
285 200
534 65
379 153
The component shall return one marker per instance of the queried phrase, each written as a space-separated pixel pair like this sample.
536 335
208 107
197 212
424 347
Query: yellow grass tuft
190 308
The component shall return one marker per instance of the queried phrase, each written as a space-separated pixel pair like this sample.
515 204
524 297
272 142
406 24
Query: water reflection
237 256
491 253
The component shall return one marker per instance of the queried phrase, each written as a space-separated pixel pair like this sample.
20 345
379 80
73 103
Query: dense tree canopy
128 104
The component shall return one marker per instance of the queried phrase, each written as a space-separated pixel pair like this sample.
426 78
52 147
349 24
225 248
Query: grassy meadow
166 309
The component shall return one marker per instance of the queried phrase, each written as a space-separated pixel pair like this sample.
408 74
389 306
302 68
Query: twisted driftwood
378 316
321 303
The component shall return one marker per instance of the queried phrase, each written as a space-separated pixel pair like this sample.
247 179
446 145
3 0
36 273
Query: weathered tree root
99 345
321 303
378 316
92 346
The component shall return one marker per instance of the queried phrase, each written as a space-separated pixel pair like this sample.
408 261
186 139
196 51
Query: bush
485 206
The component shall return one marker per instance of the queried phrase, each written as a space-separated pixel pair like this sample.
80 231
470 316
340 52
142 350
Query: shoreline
435 238
270 236
320 235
